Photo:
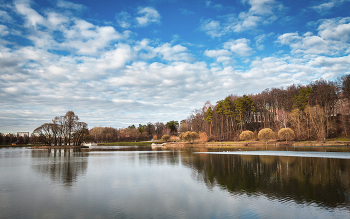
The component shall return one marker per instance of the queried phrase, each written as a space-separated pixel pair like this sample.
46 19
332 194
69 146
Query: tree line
68 130
134 133
11 138
318 110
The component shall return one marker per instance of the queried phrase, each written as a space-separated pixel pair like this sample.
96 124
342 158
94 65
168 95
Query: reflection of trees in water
170 158
61 165
317 180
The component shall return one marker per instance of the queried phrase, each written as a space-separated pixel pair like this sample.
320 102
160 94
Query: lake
138 182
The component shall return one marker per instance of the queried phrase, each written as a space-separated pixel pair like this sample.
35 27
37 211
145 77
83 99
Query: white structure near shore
89 144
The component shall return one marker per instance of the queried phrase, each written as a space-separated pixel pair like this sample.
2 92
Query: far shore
58 147
226 144
231 144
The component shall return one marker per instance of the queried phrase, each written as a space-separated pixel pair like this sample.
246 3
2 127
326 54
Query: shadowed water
136 182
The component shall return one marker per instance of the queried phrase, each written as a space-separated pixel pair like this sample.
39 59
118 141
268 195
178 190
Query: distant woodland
315 111
318 110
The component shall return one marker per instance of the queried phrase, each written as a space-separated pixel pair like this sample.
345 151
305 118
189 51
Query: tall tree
70 121
141 128
228 111
345 86
220 111
159 126
303 98
149 129
209 118
244 106
80 133
173 126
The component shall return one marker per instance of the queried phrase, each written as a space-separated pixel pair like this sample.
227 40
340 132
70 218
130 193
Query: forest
317 110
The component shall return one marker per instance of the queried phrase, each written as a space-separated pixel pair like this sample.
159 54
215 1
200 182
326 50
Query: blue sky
117 63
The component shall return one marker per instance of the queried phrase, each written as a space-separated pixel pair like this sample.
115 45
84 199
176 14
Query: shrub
203 137
173 138
286 134
266 134
189 136
246 135
165 137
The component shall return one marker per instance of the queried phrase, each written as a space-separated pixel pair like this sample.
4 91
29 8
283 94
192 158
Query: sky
118 63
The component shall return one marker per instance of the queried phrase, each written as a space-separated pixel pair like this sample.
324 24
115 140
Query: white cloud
166 51
33 18
259 40
326 6
3 30
89 39
261 7
212 28
311 44
123 19
55 19
217 53
239 47
148 15
260 12
332 39
336 29
4 16
173 53
222 56
70 5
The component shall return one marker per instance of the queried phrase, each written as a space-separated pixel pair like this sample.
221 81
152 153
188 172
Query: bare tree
80 133
70 121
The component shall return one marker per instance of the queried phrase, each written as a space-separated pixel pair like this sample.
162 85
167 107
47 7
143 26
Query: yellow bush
266 134
165 137
203 136
189 136
246 135
286 134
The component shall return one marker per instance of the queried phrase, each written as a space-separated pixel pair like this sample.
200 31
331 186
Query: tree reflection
60 165
323 181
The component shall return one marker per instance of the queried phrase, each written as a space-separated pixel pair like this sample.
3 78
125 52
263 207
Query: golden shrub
203 137
246 135
286 134
266 134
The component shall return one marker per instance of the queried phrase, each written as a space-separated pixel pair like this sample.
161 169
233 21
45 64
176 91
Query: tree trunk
210 130
240 118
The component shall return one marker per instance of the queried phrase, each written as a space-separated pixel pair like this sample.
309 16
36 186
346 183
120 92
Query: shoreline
259 144
197 144
58 147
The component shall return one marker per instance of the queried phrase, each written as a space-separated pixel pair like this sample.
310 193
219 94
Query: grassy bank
14 146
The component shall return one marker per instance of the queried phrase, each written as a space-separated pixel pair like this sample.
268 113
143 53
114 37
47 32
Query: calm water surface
136 182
